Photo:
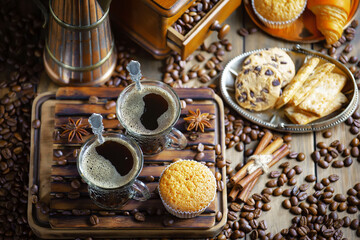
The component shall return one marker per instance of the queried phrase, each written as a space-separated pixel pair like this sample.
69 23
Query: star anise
197 120
74 129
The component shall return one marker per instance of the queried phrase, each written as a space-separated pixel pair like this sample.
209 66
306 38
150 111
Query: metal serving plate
275 119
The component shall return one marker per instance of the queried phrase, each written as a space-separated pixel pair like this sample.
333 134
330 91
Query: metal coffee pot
79 48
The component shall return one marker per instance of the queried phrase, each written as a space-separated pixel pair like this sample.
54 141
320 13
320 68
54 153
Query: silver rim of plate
274 119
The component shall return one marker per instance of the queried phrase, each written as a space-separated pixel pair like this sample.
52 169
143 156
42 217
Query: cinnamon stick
272 147
264 142
245 193
279 154
233 193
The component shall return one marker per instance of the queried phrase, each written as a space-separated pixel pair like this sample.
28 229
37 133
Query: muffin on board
187 188
278 13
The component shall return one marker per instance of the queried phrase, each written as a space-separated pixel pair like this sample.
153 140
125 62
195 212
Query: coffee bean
319 186
301 157
266 207
36 123
293 155
354 224
348 161
236 207
325 182
354 130
327 134
271 183
219 216
218 149
267 191
315 156
286 204
338 164
94 220
139 216
295 210
310 178
291 173
34 189
354 23
274 174
323 164
357 187
243 32
277 191
109 105
199 156
342 207
284 165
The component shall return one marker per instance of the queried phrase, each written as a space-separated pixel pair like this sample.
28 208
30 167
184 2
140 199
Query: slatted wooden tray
53 110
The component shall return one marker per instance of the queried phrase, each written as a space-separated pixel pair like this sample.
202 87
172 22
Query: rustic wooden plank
121 222
71 171
68 109
71 93
86 203
207 138
278 217
114 123
164 156
349 176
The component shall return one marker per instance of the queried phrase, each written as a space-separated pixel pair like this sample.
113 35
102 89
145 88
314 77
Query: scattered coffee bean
139 216
94 220
327 134
36 123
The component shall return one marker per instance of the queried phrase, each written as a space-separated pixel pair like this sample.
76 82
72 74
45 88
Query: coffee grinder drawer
185 45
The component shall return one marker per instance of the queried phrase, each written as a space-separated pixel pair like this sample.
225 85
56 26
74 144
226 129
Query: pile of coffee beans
326 155
125 53
354 123
193 15
21 50
240 132
177 72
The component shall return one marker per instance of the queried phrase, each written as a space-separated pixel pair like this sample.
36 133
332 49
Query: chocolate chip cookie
275 57
258 87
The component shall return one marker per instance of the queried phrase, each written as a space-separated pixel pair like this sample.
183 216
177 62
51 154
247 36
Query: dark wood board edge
39 228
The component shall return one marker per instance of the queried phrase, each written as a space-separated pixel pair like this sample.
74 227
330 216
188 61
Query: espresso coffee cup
149 116
110 169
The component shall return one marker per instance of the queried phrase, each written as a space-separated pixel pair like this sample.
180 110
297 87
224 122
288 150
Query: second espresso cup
149 116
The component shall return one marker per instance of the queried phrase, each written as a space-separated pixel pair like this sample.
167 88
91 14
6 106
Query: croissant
331 17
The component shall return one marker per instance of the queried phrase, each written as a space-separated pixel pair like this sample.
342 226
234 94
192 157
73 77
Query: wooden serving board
54 179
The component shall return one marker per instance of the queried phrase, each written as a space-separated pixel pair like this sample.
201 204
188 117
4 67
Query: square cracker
325 92
320 72
296 83
297 116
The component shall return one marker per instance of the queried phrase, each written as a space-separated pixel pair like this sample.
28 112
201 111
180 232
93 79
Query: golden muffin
187 188
278 13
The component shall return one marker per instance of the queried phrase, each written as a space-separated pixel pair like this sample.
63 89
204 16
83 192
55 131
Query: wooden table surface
277 218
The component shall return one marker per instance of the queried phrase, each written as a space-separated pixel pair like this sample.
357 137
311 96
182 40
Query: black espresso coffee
118 154
148 112
155 106
110 165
